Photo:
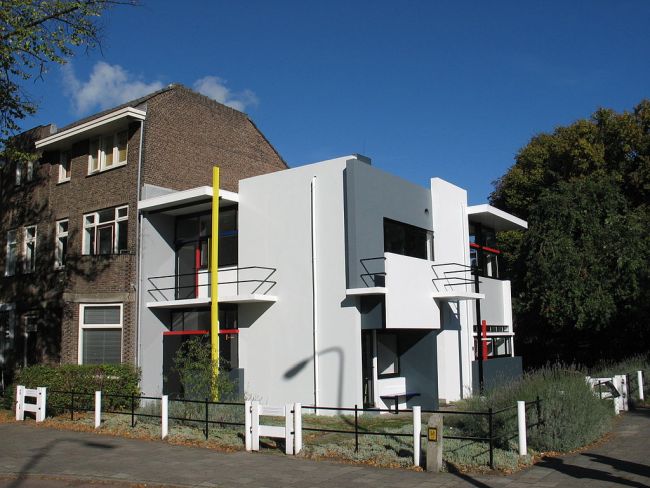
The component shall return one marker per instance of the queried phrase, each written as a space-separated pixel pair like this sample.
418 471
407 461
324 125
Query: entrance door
367 353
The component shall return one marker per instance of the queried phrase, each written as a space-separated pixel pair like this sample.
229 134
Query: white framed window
19 173
108 151
10 261
100 333
30 171
106 231
61 243
29 249
64 167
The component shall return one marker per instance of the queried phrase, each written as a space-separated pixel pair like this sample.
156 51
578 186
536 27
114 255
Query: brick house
69 222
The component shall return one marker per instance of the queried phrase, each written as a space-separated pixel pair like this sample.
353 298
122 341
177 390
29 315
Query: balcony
249 284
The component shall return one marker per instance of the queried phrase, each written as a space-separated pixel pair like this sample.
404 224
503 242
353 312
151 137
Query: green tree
35 34
581 272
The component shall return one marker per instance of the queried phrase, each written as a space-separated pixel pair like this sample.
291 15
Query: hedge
84 380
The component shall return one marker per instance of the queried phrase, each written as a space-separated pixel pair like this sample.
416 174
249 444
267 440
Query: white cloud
108 85
215 88
111 85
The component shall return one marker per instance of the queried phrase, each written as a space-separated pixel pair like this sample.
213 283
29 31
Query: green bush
571 415
84 380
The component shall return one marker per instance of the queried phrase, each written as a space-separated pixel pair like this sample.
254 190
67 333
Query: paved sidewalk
35 456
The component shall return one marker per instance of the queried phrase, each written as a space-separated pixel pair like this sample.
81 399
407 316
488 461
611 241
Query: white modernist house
339 284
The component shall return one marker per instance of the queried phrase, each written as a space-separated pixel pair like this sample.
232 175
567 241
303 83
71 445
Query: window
108 151
65 169
407 240
387 355
100 337
106 231
10 262
30 170
29 249
61 244
19 173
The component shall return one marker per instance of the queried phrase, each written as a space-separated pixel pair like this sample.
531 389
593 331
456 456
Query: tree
35 34
581 273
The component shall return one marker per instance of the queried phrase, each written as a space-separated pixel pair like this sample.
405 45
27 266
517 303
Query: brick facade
185 135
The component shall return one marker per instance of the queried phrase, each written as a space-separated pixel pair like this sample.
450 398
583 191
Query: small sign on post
434 443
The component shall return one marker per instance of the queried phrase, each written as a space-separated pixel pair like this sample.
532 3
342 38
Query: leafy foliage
194 365
84 380
581 273
34 34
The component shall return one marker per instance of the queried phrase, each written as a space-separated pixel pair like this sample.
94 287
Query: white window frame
19 173
65 167
12 237
83 326
29 266
98 147
58 243
95 224
29 171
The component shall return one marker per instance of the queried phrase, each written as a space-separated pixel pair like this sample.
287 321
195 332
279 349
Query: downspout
139 253
314 288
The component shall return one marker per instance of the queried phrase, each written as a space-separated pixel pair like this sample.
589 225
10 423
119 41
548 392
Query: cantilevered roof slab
174 202
494 218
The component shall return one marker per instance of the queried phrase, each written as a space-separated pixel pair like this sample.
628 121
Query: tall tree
35 34
581 274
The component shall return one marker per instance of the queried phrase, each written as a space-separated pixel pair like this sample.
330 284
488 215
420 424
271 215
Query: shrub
571 415
84 380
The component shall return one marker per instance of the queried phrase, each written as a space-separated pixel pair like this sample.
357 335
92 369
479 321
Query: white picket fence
38 408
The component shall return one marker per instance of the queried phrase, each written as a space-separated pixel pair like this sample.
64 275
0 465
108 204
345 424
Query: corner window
387 355
65 169
106 231
108 151
407 240
29 249
10 261
61 244
100 333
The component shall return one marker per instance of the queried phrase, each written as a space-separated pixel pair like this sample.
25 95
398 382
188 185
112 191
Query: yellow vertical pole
214 281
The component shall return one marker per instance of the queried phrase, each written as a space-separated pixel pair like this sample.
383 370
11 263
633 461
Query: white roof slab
494 218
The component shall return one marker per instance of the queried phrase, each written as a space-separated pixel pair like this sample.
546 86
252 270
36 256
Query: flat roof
494 218
100 125
186 198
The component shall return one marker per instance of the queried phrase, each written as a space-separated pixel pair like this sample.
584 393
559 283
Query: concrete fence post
434 443
255 425
521 425
417 433
98 409
248 426
297 427
288 429
41 402
164 416
20 401
639 379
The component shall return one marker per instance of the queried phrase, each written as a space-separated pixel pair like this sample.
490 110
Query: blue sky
425 88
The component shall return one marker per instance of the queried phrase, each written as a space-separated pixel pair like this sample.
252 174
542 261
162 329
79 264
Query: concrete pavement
36 456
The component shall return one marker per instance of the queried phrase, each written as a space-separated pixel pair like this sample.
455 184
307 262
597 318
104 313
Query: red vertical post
484 344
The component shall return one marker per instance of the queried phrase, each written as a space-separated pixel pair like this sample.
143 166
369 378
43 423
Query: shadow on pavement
467 478
580 472
627 466
33 461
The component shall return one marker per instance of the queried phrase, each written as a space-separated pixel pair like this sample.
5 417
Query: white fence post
98 409
255 425
417 432
639 379
521 424
41 402
164 416
288 429
297 427
20 401
248 430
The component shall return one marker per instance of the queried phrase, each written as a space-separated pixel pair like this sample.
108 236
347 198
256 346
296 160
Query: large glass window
228 237
61 243
106 231
29 249
108 151
407 240
387 355
10 260
101 334
65 169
